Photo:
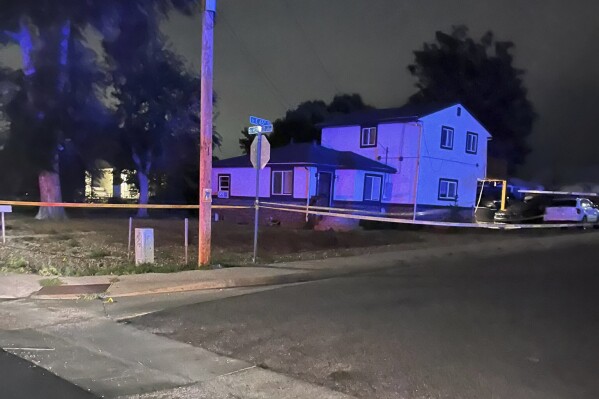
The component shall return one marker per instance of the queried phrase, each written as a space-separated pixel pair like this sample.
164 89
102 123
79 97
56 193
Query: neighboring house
439 152
100 184
298 173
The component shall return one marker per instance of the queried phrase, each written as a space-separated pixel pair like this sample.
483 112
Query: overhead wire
248 54
306 37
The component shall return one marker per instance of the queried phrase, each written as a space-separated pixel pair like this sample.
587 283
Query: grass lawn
98 246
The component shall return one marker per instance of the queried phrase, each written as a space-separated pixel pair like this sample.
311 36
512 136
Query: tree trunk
50 191
143 193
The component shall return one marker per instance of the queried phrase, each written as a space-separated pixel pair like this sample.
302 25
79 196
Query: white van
571 210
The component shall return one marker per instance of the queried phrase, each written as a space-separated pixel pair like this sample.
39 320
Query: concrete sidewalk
115 360
21 286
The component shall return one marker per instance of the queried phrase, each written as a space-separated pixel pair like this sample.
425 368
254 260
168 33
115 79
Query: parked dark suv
530 210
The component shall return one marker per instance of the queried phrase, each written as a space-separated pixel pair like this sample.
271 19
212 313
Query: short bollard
144 246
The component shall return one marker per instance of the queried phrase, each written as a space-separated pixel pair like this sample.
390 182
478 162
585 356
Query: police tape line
326 208
491 226
114 206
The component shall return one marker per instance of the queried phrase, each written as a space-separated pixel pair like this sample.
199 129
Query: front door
324 188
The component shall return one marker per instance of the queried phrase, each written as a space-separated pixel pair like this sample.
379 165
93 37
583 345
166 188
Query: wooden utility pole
205 183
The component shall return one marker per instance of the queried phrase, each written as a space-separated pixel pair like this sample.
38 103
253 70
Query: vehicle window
586 204
564 203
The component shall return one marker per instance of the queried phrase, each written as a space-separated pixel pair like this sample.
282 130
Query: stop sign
264 152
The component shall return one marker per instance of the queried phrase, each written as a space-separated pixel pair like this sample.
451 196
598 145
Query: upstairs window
471 143
368 137
373 185
282 182
448 190
447 138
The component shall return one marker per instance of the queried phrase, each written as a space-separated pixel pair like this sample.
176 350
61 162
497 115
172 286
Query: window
585 203
224 186
568 203
448 190
459 111
368 137
282 182
471 143
372 188
447 138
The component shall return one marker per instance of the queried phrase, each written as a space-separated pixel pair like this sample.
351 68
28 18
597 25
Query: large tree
479 74
300 124
57 86
51 108
156 97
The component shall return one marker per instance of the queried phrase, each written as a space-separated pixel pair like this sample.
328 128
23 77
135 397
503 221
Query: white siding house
439 152
301 172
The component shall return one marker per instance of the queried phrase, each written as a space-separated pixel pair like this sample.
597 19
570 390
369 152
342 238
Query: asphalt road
510 327
20 379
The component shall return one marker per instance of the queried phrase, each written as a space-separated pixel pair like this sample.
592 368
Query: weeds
99 254
62 237
50 282
130 268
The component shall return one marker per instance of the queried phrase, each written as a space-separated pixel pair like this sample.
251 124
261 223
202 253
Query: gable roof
407 113
311 155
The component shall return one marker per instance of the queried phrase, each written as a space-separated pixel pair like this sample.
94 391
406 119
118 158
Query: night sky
271 55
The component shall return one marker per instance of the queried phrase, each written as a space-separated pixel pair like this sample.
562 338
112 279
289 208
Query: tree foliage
58 100
300 124
157 100
480 75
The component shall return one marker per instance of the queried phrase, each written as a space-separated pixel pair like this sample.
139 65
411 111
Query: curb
216 285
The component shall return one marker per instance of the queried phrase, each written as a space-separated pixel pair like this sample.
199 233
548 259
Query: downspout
415 198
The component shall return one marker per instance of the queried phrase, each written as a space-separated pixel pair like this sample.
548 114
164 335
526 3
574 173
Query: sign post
259 156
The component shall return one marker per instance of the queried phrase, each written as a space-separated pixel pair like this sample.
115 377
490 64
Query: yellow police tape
313 210
336 213
345 210
113 206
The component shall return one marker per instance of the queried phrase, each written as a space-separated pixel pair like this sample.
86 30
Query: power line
311 46
277 93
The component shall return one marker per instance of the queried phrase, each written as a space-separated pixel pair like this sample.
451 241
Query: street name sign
254 120
266 128
254 130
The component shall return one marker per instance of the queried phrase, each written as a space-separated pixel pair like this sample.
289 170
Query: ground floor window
448 190
224 186
372 187
282 182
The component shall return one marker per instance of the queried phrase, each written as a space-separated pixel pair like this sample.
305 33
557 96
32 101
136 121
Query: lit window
448 190
471 143
368 137
447 138
282 182
372 188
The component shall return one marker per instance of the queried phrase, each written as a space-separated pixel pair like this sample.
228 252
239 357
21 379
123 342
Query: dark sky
271 55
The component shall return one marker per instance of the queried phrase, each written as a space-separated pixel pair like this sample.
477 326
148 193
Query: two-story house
438 151
423 159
